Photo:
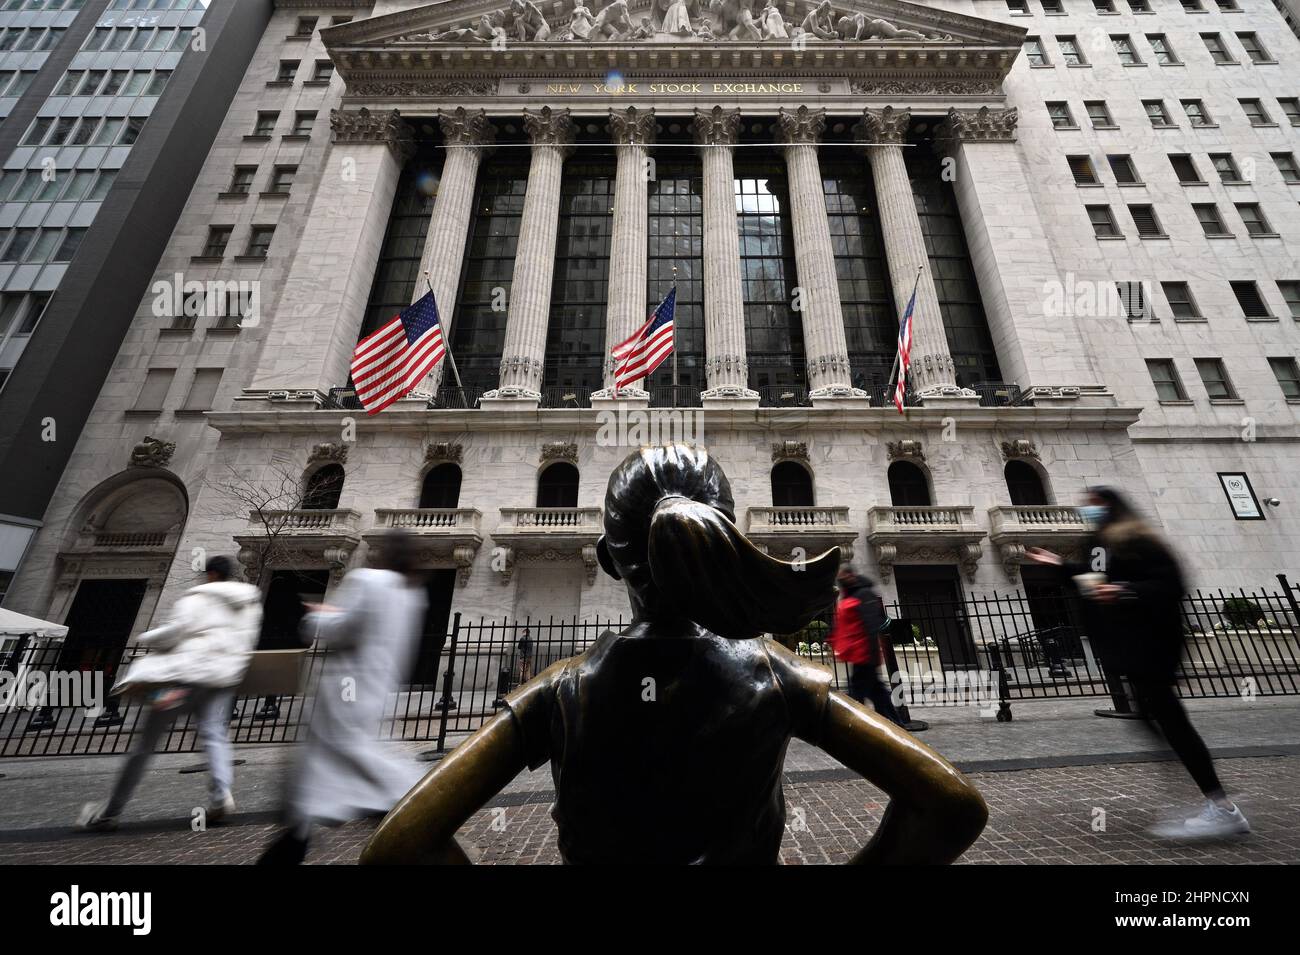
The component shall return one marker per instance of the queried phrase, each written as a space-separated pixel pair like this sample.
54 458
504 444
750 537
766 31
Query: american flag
645 351
904 351
390 362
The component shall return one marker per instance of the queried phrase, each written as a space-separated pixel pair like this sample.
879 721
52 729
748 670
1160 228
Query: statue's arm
934 812
422 827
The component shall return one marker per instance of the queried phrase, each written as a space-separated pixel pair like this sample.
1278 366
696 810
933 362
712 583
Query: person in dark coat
1132 589
855 636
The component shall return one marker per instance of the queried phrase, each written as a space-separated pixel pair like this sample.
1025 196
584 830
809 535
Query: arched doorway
1024 484
441 487
908 485
557 486
792 485
323 489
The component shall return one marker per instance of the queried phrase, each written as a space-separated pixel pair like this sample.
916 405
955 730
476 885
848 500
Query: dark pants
865 684
1158 703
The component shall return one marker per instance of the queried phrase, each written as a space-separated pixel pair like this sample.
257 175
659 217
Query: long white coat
208 641
344 771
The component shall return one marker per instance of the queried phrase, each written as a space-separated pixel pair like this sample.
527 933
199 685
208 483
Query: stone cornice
363 126
888 125
634 125
802 126
716 127
983 125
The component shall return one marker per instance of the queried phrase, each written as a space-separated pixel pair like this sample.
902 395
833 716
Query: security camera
1272 502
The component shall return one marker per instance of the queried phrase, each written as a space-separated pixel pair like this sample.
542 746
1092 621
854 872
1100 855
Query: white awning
16 625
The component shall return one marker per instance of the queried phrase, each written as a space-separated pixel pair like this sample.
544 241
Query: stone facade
1094 416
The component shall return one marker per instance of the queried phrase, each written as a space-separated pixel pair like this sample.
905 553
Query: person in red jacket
855 637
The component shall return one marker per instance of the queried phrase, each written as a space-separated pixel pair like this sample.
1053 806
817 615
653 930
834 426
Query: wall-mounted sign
1241 496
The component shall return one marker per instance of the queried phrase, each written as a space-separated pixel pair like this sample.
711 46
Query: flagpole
446 345
674 404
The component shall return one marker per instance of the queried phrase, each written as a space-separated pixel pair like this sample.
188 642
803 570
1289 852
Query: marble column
310 343
632 130
825 345
726 370
882 134
530 287
467 137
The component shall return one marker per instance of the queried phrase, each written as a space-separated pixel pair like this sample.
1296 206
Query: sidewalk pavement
1052 777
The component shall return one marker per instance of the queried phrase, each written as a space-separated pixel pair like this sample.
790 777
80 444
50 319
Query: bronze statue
667 741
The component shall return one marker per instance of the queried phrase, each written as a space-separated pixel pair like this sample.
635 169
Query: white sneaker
1214 822
92 818
221 808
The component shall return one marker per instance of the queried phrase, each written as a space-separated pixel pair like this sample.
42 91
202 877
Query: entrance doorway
439 587
930 596
99 624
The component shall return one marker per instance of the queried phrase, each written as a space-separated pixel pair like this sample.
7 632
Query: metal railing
1029 647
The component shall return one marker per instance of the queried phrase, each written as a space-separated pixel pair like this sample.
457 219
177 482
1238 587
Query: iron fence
1023 647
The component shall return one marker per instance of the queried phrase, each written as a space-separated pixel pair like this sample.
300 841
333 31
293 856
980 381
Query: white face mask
1093 513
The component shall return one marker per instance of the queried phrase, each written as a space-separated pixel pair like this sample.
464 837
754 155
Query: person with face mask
860 621
1136 613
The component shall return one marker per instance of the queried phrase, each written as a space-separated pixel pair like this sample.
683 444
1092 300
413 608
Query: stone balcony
301 539
547 533
1054 526
779 530
447 537
925 535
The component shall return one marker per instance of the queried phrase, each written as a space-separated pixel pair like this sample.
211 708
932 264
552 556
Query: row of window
40 245
267 120
288 72
1214 377
1207 213
241 182
1184 167
1106 7
48 5
137 39
84 131
67 185
259 241
307 25
15 82
1161 48
1182 304
1100 116
158 382
155 4
30 38
113 83
20 312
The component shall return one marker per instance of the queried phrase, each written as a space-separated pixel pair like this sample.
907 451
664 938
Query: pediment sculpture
745 20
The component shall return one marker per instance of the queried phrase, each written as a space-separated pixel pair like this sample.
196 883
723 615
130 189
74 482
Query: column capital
717 126
888 125
462 127
981 125
802 126
632 126
550 127
363 126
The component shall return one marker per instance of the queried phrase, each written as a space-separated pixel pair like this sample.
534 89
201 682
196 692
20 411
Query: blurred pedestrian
371 635
200 656
1134 589
855 636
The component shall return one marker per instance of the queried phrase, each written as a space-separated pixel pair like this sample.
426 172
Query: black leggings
1158 703
865 684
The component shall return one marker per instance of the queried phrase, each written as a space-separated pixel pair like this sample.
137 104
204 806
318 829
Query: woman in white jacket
199 657
372 633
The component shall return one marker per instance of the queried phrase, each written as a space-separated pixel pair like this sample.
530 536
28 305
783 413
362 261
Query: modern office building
1092 204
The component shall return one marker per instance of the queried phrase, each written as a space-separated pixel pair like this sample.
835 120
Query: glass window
241 183
1287 374
1123 169
157 382
132 131
1081 169
1226 167
115 81
203 390
79 185
1214 376
1034 51
1163 50
303 121
140 39
136 84
1291 294
1252 216
1125 50
1196 112
19 241
1099 113
218 239
20 85
69 83
62 129
1185 168
1165 378
162 39
259 241
288 69
282 179
1207 213
1255 112
44 245
1156 112
102 185
1214 43
157 82
1251 302
1291 109
118 39
93 79
97 37
1071 52
1179 297
1254 48
30 184
109 131
181 39
1144 217
71 242
1103 222
37 131
306 26
1059 113
265 124
324 70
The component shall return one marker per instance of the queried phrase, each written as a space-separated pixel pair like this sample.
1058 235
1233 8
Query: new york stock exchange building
1102 295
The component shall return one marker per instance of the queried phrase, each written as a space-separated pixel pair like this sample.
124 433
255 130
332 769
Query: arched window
441 487
1025 484
791 485
908 486
323 488
557 486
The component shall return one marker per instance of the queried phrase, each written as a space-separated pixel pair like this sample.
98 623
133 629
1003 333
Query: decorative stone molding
725 364
461 127
550 127
1057 392
632 126
802 126
716 127
349 126
442 452
1019 448
905 450
1016 527
983 125
790 451
392 88
877 126
152 453
332 453
924 87
559 451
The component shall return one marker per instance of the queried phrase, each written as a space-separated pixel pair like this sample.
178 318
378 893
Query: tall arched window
1025 484
441 487
908 486
791 485
557 486
323 488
